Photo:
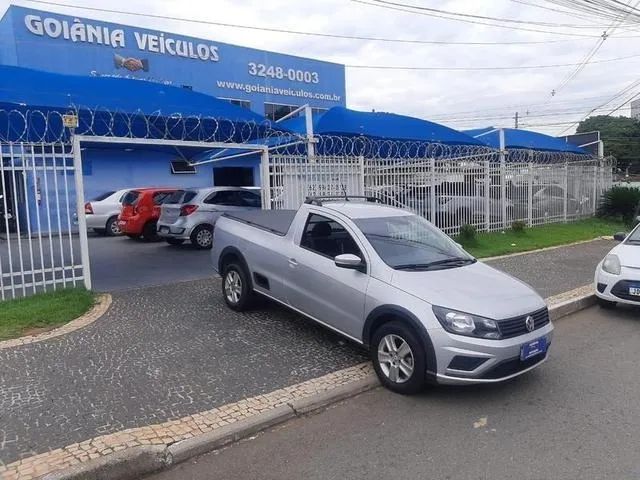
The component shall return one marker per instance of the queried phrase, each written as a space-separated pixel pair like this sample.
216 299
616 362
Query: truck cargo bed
275 221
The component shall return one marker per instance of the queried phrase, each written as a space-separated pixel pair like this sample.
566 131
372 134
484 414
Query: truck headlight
462 323
611 264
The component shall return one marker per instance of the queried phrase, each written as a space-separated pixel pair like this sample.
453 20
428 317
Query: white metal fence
39 245
486 194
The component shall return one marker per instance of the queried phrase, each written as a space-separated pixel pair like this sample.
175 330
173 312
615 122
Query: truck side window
327 237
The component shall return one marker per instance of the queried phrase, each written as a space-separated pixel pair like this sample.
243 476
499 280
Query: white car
617 276
102 212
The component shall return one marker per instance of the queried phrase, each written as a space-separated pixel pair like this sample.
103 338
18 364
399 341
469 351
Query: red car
141 210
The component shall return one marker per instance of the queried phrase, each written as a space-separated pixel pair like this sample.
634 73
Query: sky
461 98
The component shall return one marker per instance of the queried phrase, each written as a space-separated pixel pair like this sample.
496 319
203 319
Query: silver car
191 214
102 212
391 281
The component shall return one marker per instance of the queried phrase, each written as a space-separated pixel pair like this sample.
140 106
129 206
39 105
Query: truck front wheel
399 358
236 288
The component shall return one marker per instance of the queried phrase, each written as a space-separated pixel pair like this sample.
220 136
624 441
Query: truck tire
399 358
236 287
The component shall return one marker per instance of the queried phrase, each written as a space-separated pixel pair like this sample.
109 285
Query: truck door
330 294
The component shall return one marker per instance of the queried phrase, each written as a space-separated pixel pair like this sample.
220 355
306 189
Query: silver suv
191 214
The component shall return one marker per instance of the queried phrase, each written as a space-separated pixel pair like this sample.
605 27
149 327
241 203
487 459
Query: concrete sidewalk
166 352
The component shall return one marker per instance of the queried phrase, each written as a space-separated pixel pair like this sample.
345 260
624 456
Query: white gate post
566 193
82 221
487 195
308 117
432 192
595 189
361 183
530 196
503 179
265 180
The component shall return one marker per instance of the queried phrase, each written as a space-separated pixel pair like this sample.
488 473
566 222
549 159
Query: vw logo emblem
530 323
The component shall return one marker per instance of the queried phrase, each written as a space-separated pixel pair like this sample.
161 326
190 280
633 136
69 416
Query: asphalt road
576 417
119 263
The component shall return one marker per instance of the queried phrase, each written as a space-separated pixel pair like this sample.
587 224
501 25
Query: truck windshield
409 242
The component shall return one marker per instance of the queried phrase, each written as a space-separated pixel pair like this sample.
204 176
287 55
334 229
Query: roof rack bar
318 200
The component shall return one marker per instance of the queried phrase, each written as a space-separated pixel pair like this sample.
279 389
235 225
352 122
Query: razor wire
24 124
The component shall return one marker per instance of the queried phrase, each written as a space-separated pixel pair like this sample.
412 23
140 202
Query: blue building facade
270 84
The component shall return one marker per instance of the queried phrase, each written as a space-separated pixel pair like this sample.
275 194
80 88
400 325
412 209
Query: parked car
391 281
102 212
547 201
453 208
191 214
141 210
617 278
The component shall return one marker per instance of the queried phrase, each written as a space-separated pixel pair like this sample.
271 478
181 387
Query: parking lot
120 263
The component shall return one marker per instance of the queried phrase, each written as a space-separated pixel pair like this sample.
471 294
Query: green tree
621 137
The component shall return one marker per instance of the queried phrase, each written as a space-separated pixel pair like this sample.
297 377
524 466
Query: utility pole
516 119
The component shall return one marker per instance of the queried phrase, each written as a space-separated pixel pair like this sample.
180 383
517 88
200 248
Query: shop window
275 111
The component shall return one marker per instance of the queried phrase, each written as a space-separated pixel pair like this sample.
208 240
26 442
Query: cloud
427 94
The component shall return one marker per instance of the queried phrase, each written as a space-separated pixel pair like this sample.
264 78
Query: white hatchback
102 212
617 278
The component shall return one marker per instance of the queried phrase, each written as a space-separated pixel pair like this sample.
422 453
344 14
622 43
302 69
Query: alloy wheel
204 238
233 286
395 358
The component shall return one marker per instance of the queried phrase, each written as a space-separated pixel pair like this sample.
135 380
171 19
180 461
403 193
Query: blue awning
524 139
389 126
117 106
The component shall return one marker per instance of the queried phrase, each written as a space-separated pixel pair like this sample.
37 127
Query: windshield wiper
447 262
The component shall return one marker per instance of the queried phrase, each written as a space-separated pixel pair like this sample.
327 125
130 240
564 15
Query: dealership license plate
531 349
635 291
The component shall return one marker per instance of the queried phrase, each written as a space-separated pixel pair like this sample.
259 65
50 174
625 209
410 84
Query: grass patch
42 311
498 243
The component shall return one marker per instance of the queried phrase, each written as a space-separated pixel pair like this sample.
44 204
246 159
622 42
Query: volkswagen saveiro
391 281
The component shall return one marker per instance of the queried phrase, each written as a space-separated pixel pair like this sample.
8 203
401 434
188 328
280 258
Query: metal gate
487 194
39 240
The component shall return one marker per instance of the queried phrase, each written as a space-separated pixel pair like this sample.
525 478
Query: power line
296 32
587 59
519 67
617 95
475 22
481 17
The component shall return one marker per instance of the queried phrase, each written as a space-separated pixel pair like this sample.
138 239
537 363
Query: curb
129 464
103 302
573 305
134 462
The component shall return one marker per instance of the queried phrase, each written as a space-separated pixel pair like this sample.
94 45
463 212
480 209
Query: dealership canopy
523 139
341 121
116 107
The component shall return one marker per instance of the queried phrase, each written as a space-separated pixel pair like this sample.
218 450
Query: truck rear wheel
236 288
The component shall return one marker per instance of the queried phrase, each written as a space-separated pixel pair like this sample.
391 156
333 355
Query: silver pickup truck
388 280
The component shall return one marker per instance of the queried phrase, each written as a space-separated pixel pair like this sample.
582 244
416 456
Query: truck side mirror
350 261
620 236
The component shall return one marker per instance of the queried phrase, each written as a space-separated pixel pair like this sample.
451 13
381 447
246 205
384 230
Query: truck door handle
293 262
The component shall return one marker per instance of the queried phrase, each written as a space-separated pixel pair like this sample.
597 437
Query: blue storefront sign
268 83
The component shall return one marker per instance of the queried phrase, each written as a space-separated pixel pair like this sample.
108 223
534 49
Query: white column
82 221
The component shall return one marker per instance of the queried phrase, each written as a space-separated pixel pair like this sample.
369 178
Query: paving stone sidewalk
166 352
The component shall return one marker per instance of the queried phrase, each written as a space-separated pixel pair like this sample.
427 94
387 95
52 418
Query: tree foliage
621 137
